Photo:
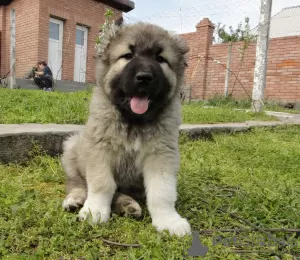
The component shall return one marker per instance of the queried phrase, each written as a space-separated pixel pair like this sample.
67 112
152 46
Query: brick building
61 32
205 76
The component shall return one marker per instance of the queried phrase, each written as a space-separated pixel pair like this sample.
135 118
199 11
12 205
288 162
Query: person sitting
43 76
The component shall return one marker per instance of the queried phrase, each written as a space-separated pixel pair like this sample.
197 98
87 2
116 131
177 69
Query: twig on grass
119 244
251 251
265 231
244 221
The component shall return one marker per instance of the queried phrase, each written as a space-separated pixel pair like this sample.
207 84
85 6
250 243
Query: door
80 54
55 47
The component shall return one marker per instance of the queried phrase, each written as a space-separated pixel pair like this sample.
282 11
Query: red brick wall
1 34
199 43
283 71
216 72
32 27
1 17
26 35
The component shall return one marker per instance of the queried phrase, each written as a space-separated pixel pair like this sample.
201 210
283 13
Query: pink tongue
139 105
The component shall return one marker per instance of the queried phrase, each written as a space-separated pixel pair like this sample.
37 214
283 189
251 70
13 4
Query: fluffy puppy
129 145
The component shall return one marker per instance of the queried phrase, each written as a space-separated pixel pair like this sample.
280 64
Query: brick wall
26 35
1 34
207 77
1 17
32 27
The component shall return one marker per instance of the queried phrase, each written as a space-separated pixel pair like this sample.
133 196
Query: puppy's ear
119 21
181 47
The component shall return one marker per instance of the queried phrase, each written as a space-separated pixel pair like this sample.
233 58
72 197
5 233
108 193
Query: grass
229 102
197 113
32 106
254 175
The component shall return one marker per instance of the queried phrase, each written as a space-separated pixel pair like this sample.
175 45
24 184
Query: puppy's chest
127 165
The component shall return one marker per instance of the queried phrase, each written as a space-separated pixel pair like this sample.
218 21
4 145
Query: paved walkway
16 140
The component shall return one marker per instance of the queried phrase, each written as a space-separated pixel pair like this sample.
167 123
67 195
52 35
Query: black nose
144 77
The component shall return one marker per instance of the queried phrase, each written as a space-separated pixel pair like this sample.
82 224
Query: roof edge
5 2
122 5
291 7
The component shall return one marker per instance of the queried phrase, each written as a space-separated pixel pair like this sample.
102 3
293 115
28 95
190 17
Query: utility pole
261 55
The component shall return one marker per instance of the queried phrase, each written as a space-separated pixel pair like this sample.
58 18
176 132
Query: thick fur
120 151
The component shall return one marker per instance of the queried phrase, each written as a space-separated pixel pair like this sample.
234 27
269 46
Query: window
79 37
54 31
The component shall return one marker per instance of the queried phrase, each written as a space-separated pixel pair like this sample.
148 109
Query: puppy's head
141 68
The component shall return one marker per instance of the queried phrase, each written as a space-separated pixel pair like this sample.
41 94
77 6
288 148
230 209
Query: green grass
32 106
229 102
255 175
194 113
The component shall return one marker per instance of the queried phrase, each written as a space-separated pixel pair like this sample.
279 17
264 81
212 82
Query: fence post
227 75
205 30
261 56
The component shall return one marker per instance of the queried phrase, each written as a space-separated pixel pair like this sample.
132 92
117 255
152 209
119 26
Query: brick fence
205 76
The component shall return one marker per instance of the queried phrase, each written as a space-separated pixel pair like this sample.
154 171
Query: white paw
175 224
94 214
71 203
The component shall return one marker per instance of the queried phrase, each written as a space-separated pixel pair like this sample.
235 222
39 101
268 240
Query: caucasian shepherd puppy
129 146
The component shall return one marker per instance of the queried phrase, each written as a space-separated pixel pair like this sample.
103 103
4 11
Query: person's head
41 65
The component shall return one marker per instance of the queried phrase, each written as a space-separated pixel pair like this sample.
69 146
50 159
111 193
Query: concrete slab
282 116
15 129
18 140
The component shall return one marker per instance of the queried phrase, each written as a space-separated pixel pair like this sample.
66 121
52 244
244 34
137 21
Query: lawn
32 106
197 113
229 102
253 175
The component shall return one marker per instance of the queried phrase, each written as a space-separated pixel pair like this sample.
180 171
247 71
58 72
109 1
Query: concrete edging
18 140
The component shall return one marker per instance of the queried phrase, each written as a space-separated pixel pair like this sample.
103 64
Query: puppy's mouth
139 105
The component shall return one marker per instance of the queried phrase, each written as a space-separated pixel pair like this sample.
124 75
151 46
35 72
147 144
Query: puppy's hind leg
126 206
75 183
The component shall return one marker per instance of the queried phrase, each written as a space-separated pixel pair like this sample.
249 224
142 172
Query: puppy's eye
161 59
127 56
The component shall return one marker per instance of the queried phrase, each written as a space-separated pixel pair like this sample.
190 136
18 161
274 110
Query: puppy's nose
144 77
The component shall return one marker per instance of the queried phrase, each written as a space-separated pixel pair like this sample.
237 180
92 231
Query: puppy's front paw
72 203
94 214
175 224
